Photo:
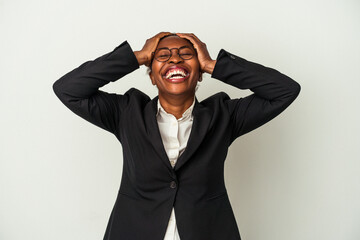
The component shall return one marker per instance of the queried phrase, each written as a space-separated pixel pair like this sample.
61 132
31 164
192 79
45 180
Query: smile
176 74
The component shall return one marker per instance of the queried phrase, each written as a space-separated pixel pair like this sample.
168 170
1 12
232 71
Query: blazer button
173 184
232 56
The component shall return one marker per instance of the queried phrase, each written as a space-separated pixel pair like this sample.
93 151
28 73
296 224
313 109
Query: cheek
155 75
198 68
156 67
196 65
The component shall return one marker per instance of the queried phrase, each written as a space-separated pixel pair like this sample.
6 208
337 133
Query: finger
190 34
189 37
155 39
193 35
159 35
184 35
196 38
162 34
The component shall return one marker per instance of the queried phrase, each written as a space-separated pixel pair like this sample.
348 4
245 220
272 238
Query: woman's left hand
206 63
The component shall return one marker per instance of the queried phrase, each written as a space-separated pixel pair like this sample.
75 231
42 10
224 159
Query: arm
273 91
79 89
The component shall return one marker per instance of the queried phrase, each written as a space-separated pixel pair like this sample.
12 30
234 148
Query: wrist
141 58
209 67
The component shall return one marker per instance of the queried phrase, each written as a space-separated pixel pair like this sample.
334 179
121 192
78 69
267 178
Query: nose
175 57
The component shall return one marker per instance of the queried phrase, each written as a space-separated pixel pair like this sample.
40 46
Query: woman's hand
206 63
144 55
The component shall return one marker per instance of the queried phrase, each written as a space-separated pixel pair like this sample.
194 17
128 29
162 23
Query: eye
186 55
185 51
163 54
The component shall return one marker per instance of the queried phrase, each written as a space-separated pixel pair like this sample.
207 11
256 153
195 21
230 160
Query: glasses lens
186 53
162 55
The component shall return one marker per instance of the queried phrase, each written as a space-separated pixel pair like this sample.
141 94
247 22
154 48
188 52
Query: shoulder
132 97
216 99
217 105
135 94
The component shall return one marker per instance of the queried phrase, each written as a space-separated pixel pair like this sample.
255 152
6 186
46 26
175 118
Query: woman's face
176 76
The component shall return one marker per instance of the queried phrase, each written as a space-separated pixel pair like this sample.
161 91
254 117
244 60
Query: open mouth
176 74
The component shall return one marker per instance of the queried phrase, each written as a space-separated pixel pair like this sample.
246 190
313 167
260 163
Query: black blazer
150 187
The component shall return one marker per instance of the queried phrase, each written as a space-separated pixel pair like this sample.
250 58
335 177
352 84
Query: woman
174 146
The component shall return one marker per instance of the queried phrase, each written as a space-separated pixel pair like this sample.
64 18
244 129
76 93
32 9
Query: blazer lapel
201 122
202 118
153 132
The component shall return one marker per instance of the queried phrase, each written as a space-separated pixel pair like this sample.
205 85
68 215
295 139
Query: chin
179 92
176 88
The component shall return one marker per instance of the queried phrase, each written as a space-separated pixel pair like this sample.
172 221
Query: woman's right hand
144 55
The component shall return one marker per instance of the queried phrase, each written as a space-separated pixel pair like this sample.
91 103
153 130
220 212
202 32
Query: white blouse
174 134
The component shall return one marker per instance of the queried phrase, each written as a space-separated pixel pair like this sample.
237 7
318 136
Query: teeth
176 77
171 73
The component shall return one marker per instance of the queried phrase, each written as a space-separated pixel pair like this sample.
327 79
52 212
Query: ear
152 78
201 77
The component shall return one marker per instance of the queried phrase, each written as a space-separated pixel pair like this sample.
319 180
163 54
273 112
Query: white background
295 178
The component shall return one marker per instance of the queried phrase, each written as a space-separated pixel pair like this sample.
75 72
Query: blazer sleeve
272 91
79 89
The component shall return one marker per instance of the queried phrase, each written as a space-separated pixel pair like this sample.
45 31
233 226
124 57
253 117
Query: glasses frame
171 54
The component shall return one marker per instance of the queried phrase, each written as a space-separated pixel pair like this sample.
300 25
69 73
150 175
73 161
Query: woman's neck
176 105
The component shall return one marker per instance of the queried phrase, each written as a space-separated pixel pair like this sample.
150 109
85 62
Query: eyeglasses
164 54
